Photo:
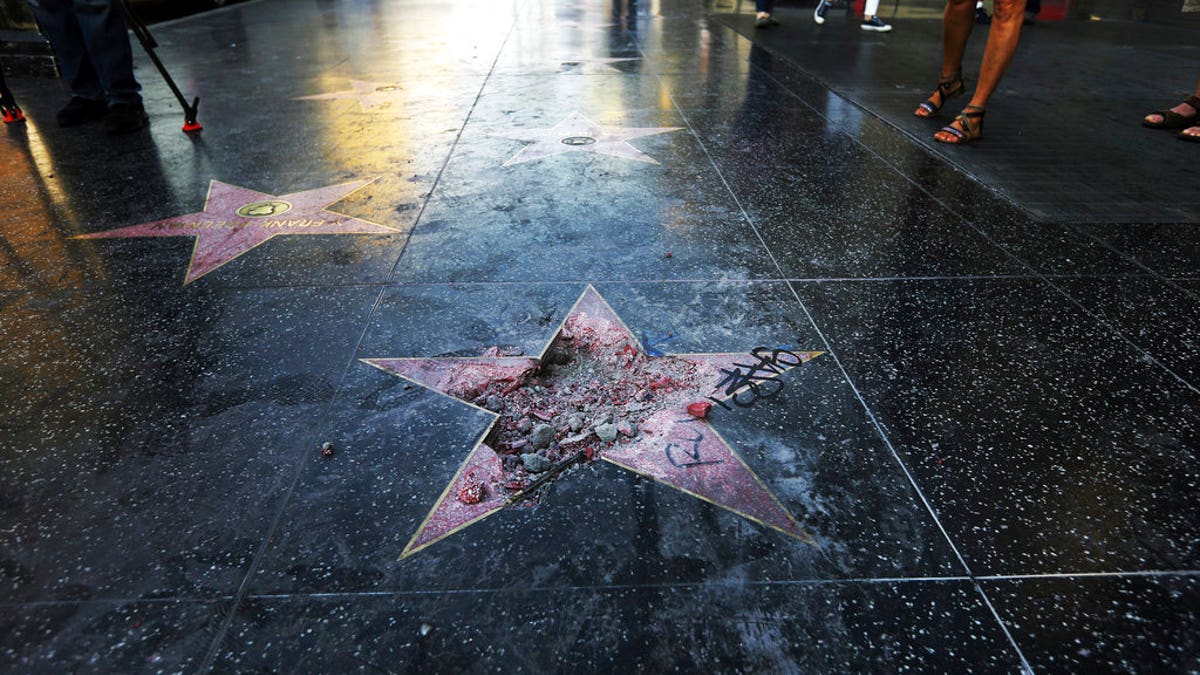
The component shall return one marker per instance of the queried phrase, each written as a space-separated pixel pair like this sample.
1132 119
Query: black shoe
124 118
81 111
982 16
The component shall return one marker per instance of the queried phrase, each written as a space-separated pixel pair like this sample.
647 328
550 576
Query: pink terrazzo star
577 133
595 368
235 220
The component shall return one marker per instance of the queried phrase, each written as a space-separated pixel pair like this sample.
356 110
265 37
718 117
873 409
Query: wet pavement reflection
742 376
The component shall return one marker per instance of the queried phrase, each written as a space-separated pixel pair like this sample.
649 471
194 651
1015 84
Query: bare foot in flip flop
1190 134
1182 115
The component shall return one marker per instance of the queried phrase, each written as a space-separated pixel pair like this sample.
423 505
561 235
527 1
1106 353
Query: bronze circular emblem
264 209
578 140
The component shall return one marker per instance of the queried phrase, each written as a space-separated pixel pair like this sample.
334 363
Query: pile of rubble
591 389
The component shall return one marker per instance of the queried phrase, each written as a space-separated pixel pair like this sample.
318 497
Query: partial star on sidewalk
235 220
595 368
577 133
582 25
602 64
370 95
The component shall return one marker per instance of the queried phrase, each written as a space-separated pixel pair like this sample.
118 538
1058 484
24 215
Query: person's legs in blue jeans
107 40
57 19
92 43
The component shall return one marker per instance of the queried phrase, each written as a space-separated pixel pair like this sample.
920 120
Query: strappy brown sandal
971 121
1172 119
944 92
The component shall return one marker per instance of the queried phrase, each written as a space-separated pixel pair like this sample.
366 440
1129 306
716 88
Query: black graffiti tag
746 383
688 458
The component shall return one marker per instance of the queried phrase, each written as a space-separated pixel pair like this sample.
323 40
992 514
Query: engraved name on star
577 133
370 95
235 220
595 368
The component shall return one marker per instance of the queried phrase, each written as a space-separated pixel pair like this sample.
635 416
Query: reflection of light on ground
43 165
37 211
433 84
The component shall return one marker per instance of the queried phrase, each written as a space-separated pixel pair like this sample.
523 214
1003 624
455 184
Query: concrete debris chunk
535 463
607 432
542 436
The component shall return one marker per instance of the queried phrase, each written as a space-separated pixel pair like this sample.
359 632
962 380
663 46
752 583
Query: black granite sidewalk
589 336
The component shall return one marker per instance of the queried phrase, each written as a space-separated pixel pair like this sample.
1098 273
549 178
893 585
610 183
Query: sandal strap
1193 101
947 91
969 118
956 76
958 133
944 92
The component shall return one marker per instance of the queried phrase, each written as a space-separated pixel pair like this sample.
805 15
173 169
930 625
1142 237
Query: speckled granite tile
109 637
825 627
1103 624
1044 442
149 438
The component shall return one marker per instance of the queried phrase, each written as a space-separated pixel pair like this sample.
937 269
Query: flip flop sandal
1191 138
945 92
971 121
1173 120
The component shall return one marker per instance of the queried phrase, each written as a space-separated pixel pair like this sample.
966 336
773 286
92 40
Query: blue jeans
763 5
92 44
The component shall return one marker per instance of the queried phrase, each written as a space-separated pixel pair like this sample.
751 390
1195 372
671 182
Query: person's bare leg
958 19
1003 37
1184 109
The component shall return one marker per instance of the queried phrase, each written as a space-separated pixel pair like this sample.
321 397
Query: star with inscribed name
613 375
235 220
577 133
370 95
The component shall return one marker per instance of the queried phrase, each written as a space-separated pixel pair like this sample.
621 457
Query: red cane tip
192 126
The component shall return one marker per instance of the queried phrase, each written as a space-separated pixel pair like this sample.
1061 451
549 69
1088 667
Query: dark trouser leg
763 6
107 40
58 22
